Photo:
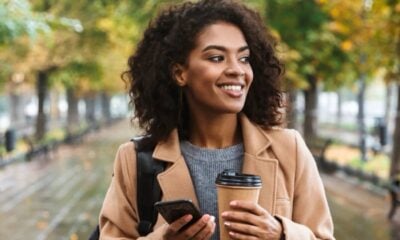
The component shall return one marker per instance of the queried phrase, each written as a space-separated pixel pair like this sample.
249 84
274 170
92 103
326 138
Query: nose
234 69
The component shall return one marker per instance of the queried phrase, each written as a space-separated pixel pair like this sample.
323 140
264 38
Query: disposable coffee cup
235 186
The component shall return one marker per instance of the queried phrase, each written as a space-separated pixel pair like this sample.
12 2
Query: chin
232 109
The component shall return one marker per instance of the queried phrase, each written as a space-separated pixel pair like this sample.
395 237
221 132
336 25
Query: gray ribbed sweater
204 165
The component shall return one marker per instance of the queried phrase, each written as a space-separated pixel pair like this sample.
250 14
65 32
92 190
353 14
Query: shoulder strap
148 189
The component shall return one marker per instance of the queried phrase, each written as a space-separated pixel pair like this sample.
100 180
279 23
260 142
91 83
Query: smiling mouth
235 88
232 90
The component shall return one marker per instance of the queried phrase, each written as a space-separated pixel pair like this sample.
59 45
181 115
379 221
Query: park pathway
59 197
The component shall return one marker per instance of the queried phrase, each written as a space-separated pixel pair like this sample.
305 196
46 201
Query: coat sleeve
311 218
119 216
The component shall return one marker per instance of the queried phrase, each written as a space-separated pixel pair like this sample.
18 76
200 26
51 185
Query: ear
179 74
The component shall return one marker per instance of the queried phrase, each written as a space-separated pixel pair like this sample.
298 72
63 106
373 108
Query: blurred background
64 108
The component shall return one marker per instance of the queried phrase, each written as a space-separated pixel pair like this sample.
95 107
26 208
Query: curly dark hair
168 40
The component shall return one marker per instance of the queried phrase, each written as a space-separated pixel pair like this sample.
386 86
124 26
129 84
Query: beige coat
292 189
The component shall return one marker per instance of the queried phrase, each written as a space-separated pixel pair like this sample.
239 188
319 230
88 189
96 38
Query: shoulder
281 134
127 148
283 138
284 135
125 163
126 153
288 144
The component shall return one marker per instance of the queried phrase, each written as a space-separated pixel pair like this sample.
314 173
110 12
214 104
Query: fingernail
233 203
212 219
227 224
206 218
224 214
188 217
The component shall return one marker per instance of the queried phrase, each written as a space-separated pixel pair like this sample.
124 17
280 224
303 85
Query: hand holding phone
173 210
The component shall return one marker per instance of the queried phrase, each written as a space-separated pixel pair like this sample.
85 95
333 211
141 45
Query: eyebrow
221 48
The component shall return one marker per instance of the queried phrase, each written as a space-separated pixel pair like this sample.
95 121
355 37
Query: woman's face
217 76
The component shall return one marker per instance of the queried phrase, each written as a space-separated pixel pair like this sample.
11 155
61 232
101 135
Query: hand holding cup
235 186
248 220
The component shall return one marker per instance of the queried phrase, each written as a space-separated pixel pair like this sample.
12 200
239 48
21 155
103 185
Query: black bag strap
148 189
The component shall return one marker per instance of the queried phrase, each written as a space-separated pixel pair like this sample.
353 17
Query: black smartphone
172 210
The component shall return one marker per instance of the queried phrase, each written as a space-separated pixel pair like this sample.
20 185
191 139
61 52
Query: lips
232 90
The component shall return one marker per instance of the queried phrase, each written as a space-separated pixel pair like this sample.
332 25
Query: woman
205 85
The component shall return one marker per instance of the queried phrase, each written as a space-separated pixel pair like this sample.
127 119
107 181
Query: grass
378 164
22 144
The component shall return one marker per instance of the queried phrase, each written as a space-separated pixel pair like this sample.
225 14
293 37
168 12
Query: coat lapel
257 161
175 182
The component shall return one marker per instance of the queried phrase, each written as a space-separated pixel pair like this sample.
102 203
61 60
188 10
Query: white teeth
232 87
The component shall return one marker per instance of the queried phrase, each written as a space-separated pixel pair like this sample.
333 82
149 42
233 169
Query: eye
216 58
245 59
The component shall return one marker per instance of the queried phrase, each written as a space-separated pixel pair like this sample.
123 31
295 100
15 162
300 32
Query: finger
212 231
248 206
268 229
208 230
243 217
240 236
175 226
195 228
243 229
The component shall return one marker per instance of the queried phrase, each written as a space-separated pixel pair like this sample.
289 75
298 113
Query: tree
77 77
393 74
99 32
372 30
307 32
20 30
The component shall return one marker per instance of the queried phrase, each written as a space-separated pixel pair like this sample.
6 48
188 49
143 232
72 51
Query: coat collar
255 142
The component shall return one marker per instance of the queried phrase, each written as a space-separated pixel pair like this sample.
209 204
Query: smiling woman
217 75
205 85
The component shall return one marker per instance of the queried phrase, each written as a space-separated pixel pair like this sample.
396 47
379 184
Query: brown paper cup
226 194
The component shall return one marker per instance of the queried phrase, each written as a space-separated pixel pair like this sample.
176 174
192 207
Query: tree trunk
16 107
54 110
395 164
389 104
311 103
16 100
292 109
42 91
105 107
339 113
90 114
361 119
73 112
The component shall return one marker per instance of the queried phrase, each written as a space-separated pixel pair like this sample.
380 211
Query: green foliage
24 34
84 76
4 74
296 25
57 134
305 30
389 40
17 19
370 35
378 164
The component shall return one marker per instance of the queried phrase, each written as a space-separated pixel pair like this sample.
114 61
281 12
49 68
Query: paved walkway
360 210
59 197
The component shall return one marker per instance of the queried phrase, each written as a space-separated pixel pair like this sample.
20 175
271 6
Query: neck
214 132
